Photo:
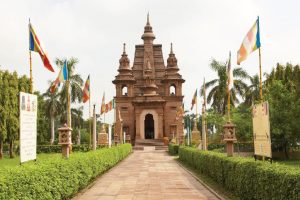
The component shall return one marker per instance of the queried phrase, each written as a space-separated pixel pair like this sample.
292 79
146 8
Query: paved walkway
147 175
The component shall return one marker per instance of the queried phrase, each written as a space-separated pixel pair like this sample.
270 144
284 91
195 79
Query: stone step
150 148
149 142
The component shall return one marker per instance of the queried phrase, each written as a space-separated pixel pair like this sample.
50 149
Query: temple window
172 90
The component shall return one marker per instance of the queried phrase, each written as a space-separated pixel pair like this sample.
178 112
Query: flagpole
228 102
68 104
30 68
31 79
228 91
204 118
196 108
90 118
260 76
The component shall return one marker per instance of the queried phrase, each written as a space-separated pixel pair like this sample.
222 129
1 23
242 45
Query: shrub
58 178
244 177
57 148
238 147
173 149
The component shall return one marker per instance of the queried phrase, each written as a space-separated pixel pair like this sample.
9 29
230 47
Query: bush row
244 177
57 148
50 148
242 147
173 149
58 178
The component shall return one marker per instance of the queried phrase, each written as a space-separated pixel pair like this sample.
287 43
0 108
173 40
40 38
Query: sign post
28 126
261 130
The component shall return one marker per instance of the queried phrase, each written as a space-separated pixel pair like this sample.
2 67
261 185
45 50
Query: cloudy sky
93 31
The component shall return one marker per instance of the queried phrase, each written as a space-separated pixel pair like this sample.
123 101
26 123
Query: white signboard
261 130
28 126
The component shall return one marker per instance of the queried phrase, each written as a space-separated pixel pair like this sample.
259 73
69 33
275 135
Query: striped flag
62 76
229 74
180 112
250 43
35 45
109 106
194 100
86 90
103 104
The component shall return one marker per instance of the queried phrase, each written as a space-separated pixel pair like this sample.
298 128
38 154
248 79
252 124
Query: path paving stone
147 175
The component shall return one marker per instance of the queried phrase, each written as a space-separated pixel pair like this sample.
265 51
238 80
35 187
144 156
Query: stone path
147 175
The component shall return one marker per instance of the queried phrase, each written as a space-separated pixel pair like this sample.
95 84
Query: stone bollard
65 140
103 139
229 137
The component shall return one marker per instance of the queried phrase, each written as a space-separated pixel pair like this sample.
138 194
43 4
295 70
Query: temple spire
172 60
148 21
148 35
124 48
124 60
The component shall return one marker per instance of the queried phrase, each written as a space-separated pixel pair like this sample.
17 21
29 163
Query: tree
252 91
215 122
76 84
284 115
52 107
77 121
218 93
242 118
3 113
12 120
43 126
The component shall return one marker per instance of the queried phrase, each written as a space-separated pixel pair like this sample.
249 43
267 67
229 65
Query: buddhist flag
180 112
229 74
250 43
109 106
103 104
194 100
62 76
86 90
35 45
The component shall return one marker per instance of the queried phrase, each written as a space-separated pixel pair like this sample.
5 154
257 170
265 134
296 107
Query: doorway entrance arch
149 124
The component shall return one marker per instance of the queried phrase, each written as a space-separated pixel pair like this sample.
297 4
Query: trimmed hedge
173 149
58 178
244 177
242 147
50 148
57 148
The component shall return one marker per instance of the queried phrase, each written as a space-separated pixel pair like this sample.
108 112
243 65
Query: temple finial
171 52
148 21
124 47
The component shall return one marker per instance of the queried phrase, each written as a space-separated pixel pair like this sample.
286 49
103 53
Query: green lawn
290 163
8 162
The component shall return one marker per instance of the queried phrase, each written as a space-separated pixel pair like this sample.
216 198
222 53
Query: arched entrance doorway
149 126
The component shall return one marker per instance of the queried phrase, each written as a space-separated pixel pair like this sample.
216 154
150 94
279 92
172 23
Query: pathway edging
90 185
199 180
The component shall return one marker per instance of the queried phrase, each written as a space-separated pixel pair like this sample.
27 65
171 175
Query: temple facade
148 93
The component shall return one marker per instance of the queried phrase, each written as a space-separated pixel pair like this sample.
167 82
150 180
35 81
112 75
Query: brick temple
148 93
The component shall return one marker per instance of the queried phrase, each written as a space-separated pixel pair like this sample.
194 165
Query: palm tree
76 84
218 94
252 91
77 121
53 108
